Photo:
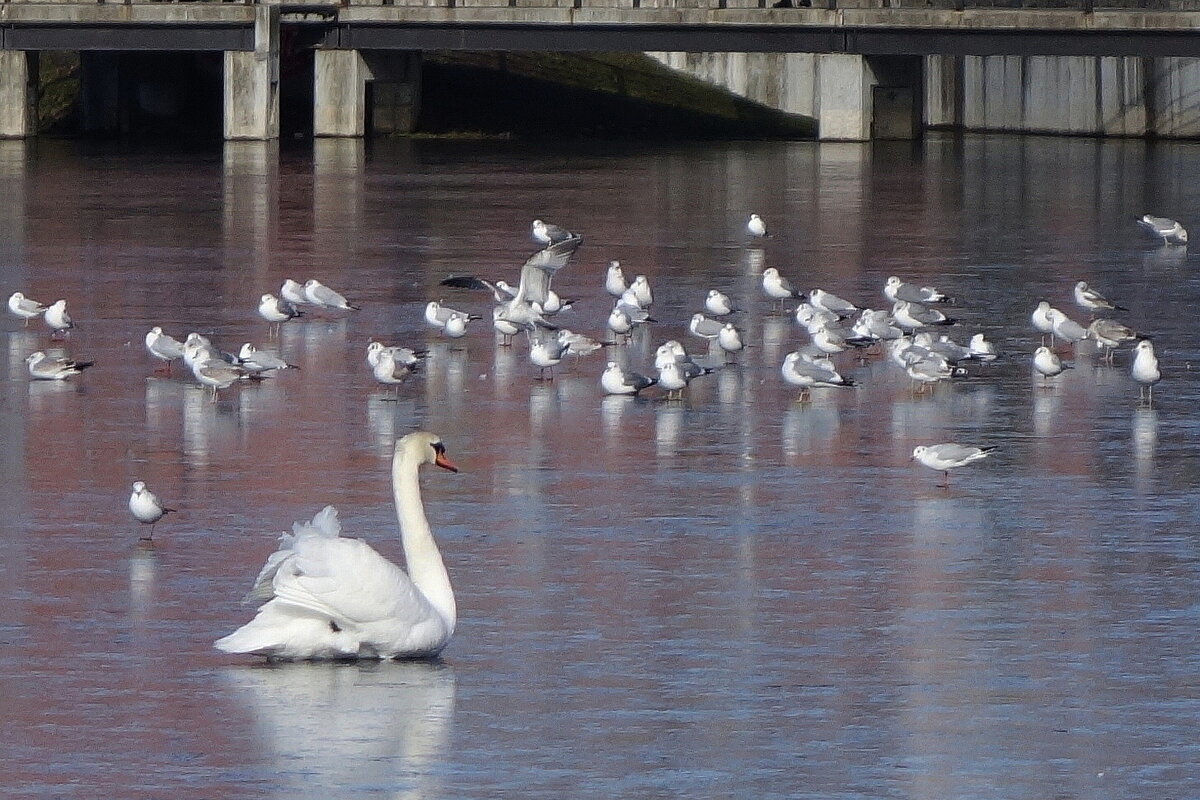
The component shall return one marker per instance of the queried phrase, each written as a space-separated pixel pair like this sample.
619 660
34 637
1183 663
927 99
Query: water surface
735 595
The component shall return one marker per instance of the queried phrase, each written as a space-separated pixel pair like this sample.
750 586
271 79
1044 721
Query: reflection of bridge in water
872 71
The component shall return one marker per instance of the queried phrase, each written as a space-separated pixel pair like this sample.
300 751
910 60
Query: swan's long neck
425 565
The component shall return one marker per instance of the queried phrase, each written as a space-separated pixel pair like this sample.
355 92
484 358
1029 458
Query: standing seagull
614 279
777 287
21 306
57 318
146 507
615 380
945 457
1089 299
756 227
1169 230
1047 362
163 347
293 292
276 311
322 296
548 234
718 304
1145 371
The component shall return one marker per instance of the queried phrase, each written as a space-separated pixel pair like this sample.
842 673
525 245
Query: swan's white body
334 598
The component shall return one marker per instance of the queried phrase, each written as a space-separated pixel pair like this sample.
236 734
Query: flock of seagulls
909 332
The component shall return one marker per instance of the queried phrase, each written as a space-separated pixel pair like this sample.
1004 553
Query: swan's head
428 448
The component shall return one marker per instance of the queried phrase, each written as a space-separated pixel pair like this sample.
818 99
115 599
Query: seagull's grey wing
638 381
1159 225
30 306
955 452
328 296
534 286
910 294
708 327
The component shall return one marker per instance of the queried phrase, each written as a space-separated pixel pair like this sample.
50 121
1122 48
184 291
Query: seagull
388 371
641 290
718 304
1047 362
322 296
1145 370
730 339
615 380
527 307
47 368
910 315
1091 300
456 327
930 369
276 311
163 347
504 327
1066 328
1110 334
831 341
812 317
673 352
256 361
21 306
1042 322
672 378
545 352
579 345
832 303
756 227
704 327
146 507
404 356
548 234
945 457
293 292
624 318
57 318
777 287
981 348
877 325
1169 230
437 315
614 279
808 373
895 289
216 373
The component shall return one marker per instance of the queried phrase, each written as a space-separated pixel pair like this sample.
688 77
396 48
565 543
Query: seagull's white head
1081 286
311 282
248 350
16 297
918 451
266 298
33 358
139 487
770 272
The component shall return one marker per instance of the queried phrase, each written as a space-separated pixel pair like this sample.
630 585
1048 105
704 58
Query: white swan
335 598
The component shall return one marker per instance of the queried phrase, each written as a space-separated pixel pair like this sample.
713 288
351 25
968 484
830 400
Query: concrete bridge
873 71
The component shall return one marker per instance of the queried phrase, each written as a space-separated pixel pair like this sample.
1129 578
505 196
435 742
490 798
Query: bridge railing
1086 6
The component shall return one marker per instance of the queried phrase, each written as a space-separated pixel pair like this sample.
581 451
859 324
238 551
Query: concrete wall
1081 95
783 81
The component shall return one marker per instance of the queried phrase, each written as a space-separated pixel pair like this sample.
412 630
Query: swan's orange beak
444 462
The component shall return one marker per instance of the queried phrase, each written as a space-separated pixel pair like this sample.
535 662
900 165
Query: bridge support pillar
355 92
868 97
18 94
252 82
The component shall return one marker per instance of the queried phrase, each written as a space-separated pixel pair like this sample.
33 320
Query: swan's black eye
439 448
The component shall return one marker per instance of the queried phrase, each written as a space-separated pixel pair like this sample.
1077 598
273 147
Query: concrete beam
844 106
18 94
339 93
252 82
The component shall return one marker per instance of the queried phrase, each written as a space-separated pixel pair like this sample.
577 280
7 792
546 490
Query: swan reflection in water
341 730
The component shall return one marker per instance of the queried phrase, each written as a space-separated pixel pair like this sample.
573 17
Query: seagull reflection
1168 255
667 421
729 388
755 259
612 408
810 427
350 729
503 363
543 401
1045 409
1145 441
163 397
43 394
382 412
142 567
774 336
